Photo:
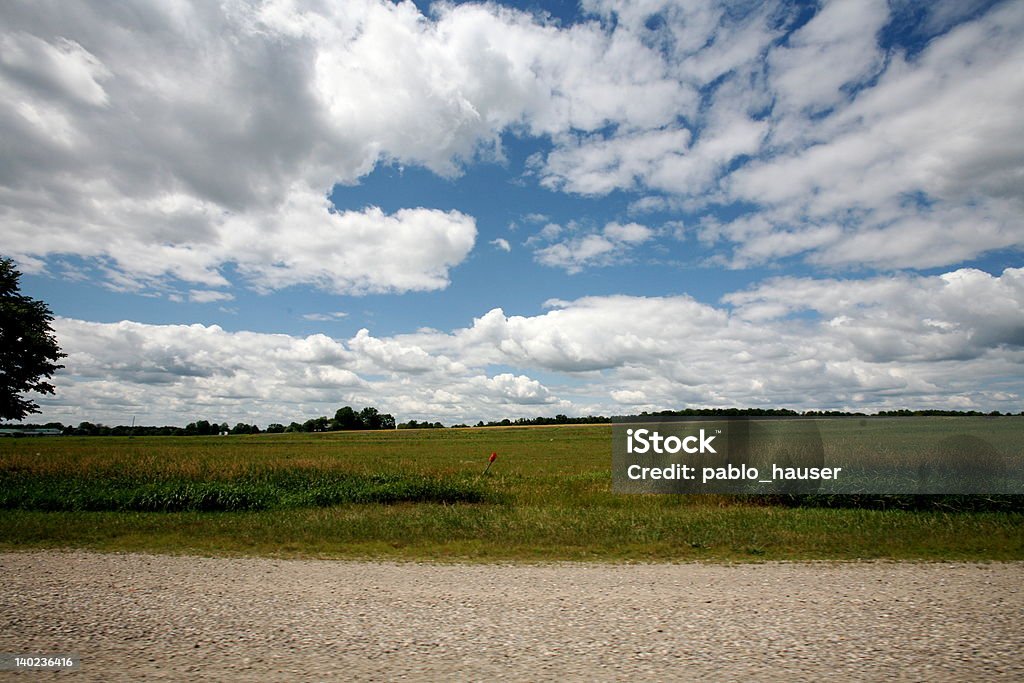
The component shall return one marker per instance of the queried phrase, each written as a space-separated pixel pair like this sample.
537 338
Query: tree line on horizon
369 418
345 419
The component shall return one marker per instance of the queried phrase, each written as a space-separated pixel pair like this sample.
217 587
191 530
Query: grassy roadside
500 533
548 498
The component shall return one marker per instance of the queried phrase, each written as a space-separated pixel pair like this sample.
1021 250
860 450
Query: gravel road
134 617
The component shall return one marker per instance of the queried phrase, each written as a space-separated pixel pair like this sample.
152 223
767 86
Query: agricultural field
422 495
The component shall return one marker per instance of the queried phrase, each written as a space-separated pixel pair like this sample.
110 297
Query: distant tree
413 424
346 418
370 418
317 424
275 428
374 419
29 353
201 428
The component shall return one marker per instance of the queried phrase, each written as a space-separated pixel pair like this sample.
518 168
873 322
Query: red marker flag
490 461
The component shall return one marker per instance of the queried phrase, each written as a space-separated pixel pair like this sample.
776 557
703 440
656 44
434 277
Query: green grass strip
257 491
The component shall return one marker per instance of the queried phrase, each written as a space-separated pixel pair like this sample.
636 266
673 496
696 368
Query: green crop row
263 491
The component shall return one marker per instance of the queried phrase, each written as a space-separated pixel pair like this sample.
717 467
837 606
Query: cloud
627 397
630 233
325 317
172 141
516 389
953 340
713 48
62 68
916 170
178 373
824 144
610 246
353 252
180 140
394 356
501 243
205 296
596 165
960 315
837 48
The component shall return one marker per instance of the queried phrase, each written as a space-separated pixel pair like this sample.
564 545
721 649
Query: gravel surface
134 617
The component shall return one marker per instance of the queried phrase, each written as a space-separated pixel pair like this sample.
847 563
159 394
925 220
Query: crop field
422 494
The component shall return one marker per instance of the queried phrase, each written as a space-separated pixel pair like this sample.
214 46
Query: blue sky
262 211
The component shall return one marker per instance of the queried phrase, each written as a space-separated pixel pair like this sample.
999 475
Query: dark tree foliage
414 424
29 353
201 428
556 420
346 418
368 418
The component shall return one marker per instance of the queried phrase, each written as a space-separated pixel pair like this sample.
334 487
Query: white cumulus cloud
610 246
956 339
176 140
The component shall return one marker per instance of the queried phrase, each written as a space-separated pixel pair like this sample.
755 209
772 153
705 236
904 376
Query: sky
259 212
